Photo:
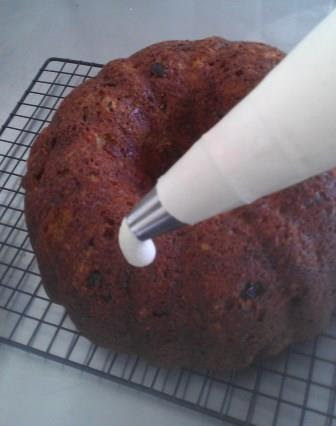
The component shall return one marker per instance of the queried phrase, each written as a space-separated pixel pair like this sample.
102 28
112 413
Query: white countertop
34 391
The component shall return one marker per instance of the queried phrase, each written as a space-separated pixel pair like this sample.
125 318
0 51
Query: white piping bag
282 133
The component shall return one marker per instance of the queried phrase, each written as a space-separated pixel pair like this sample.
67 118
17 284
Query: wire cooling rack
296 388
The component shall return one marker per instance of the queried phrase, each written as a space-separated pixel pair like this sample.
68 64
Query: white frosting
137 253
283 132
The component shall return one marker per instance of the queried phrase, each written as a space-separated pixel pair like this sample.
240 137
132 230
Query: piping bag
281 133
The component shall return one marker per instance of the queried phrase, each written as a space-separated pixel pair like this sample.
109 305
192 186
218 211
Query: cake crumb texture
220 294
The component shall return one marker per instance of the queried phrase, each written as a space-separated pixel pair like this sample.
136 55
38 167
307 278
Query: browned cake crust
219 294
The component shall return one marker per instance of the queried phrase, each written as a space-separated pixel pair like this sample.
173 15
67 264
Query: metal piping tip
149 218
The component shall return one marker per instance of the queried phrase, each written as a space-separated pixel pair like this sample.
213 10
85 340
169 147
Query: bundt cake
220 294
